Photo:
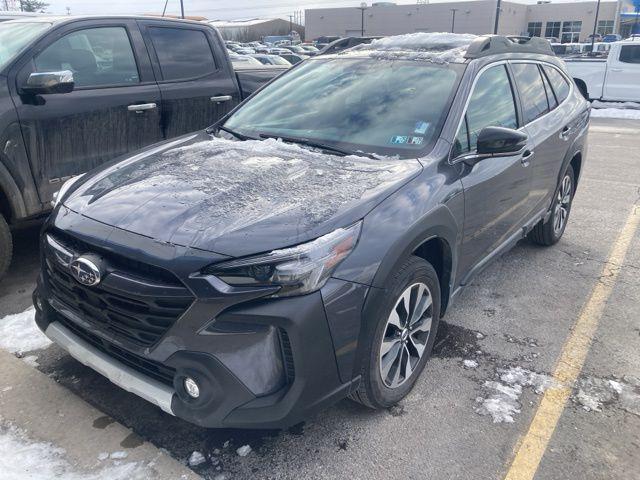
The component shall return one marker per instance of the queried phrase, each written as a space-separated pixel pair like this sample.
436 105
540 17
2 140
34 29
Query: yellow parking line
533 445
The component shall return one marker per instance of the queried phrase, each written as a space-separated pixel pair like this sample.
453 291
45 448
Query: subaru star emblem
85 271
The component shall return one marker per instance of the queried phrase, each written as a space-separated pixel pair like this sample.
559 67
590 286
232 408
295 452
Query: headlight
296 270
57 196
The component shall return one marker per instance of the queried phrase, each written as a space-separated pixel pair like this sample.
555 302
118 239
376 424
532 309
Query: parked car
612 79
293 58
612 37
597 37
5 16
76 92
310 49
298 252
297 49
278 51
344 43
271 60
237 60
244 51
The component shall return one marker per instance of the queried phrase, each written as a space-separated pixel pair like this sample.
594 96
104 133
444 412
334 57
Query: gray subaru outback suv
304 248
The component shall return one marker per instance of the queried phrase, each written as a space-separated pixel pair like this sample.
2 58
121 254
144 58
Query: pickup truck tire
6 246
404 332
549 232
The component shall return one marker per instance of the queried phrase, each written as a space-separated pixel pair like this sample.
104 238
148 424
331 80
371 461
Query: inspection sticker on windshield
415 140
421 128
399 139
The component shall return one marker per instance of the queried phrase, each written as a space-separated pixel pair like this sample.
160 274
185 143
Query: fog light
39 303
191 387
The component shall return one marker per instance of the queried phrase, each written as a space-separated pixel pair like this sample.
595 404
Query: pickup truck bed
612 79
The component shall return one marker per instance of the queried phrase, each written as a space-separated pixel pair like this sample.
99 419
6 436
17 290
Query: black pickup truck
78 91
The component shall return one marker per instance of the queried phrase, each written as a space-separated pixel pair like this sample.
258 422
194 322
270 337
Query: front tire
6 246
550 232
403 336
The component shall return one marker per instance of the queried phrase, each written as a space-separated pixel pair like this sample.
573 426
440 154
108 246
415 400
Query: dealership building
568 22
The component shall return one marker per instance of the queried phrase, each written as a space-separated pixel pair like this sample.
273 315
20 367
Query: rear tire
403 335
551 231
6 246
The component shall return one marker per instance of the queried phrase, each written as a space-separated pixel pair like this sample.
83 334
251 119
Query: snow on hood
426 46
212 193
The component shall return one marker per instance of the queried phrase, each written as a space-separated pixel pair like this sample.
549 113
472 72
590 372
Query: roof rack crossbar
495 44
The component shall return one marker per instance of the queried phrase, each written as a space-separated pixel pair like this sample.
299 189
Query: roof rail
495 44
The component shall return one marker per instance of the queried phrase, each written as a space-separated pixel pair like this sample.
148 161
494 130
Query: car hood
236 197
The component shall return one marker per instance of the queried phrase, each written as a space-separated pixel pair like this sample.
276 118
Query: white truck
615 78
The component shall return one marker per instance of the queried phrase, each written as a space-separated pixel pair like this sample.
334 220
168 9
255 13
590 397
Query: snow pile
595 393
19 333
429 46
503 397
244 450
196 459
470 364
26 460
628 110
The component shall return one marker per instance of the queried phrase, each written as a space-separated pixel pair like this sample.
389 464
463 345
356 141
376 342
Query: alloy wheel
406 335
563 202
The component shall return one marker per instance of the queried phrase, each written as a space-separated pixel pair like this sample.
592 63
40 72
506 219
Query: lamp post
498 8
453 19
595 27
362 8
181 8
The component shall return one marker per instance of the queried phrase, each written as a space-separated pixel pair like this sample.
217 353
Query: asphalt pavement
511 326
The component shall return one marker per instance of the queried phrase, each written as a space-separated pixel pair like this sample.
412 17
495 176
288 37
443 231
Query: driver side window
97 57
491 105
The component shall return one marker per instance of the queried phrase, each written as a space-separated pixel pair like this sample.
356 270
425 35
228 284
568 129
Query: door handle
566 131
141 107
526 156
615 69
221 98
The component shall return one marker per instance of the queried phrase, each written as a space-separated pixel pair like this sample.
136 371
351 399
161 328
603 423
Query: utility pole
498 8
182 8
595 27
453 19
290 24
362 8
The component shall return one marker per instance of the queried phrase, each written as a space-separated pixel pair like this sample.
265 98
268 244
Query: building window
552 29
534 29
605 27
571 31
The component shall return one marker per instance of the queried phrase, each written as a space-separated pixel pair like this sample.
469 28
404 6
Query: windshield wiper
238 135
312 143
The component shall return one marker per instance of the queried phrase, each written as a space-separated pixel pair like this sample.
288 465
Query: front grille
150 368
131 302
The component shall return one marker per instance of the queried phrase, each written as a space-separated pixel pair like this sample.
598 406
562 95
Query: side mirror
500 141
49 82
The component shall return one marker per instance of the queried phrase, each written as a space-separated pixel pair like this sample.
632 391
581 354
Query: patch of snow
435 47
21 458
616 113
119 455
470 364
103 456
597 104
502 401
6 389
19 333
196 459
594 393
244 450
31 360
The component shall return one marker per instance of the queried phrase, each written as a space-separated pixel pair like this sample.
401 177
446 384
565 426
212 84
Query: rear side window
558 83
551 99
532 92
630 54
491 105
183 53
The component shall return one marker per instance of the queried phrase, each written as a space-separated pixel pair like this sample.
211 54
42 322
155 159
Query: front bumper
262 363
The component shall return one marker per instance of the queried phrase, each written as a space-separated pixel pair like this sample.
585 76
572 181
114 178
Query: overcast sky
212 9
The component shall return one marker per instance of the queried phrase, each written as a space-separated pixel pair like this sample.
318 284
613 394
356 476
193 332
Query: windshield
14 36
390 107
279 61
